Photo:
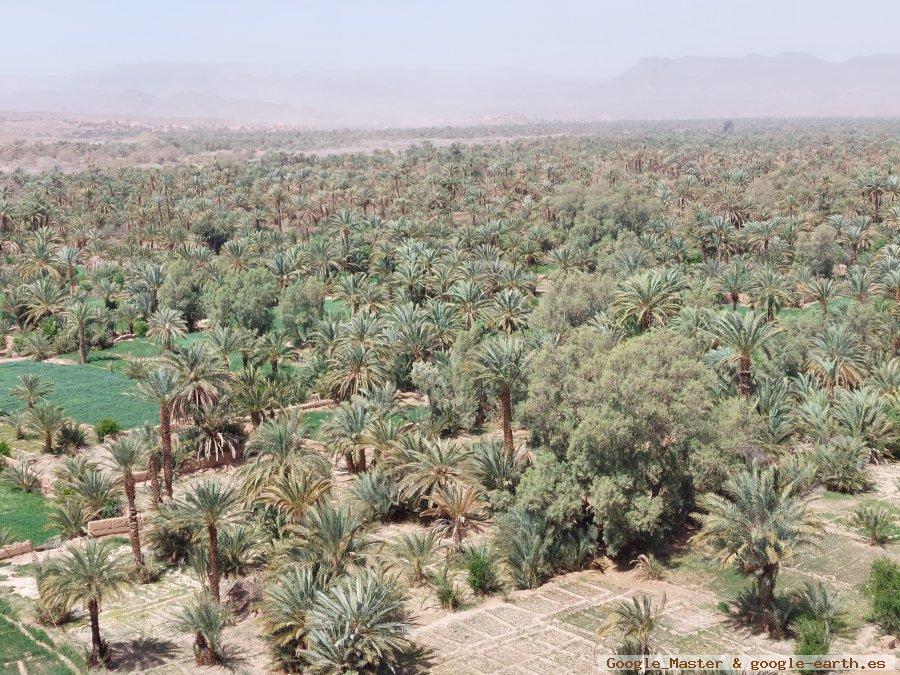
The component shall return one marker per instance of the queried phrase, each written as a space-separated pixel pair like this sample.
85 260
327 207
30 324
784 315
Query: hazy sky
580 37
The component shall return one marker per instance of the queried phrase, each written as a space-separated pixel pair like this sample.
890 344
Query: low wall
12 550
192 465
107 526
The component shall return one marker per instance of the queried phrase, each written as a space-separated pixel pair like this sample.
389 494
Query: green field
32 647
24 514
87 394
114 357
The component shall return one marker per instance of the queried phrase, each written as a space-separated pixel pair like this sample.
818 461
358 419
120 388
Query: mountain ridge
790 84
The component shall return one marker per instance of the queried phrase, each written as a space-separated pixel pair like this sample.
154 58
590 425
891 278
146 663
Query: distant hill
785 85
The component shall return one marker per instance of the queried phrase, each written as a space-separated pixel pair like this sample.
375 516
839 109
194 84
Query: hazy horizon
573 38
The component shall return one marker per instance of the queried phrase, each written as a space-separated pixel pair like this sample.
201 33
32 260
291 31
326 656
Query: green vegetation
19 642
24 514
883 590
87 394
715 341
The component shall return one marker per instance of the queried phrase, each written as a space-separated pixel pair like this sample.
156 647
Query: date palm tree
742 336
225 340
164 325
31 389
635 620
836 358
293 493
44 297
648 299
501 364
822 290
332 540
161 387
358 624
128 456
205 618
46 420
509 310
769 291
758 525
437 464
734 280
201 379
81 314
212 505
287 601
458 510
90 573
416 551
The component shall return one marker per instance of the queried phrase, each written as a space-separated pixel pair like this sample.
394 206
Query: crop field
87 394
24 515
28 650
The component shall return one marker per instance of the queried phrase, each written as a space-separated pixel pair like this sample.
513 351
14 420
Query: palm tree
201 379
758 525
225 340
501 364
648 299
211 504
164 325
332 540
836 358
205 618
742 336
127 453
635 621
357 625
769 291
90 574
355 368
286 604
295 492
31 389
510 310
46 419
734 280
822 290
417 551
271 348
435 465
346 434
161 387
44 298
458 510
81 314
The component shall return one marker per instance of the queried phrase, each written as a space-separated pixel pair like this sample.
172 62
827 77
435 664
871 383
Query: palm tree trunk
82 345
205 655
213 562
96 643
134 532
153 469
765 597
48 442
165 433
744 375
734 300
506 418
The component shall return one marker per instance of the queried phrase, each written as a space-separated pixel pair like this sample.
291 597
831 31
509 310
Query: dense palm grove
697 331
